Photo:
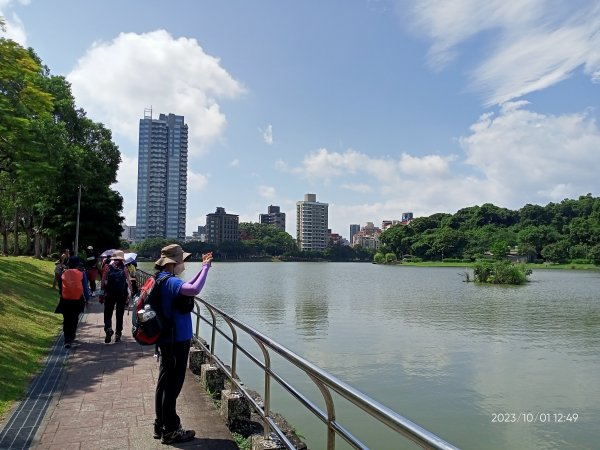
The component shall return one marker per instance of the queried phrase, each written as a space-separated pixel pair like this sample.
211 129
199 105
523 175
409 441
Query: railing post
267 398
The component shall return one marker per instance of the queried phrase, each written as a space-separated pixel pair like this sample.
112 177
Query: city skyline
379 107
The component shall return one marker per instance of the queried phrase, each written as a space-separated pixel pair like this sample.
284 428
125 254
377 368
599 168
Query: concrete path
106 399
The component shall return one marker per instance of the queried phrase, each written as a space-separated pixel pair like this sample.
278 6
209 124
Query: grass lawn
28 325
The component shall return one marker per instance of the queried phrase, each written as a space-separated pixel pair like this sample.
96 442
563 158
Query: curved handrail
322 379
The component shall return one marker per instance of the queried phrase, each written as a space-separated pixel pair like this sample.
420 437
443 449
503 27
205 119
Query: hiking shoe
67 345
109 334
117 338
179 435
157 431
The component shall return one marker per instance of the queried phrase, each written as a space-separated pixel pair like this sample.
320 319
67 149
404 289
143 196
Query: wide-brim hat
118 254
172 254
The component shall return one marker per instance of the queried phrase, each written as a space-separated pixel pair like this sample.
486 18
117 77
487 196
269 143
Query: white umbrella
106 253
130 257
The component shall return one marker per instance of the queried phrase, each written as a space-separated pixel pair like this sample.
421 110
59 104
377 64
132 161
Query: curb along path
106 400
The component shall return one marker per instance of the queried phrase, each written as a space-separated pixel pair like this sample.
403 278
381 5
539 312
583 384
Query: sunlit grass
28 325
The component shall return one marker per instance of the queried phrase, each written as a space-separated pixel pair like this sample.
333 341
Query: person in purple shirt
174 344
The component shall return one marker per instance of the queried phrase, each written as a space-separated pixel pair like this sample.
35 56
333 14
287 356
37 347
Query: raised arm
195 285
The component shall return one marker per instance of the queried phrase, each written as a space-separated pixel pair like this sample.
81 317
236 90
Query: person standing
174 345
73 292
91 268
116 290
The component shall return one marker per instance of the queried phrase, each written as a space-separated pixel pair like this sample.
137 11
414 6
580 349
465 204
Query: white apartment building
311 224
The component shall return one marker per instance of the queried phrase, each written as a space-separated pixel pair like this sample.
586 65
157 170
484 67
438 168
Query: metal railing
325 382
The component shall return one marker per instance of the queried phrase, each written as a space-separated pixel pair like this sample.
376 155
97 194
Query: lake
474 364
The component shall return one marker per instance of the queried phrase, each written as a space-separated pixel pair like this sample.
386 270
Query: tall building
273 217
311 223
162 177
367 237
221 227
354 228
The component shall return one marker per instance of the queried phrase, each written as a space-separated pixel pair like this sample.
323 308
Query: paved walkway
106 398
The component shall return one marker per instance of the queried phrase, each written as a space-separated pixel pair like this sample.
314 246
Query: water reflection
444 353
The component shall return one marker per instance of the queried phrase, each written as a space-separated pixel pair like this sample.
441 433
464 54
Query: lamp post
77 226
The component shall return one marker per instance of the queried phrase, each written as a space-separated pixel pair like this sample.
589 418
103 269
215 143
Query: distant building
335 238
389 223
221 227
407 217
354 228
311 223
128 233
162 177
200 234
367 237
274 217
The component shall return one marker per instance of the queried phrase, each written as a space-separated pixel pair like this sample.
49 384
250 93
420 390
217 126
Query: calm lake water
448 355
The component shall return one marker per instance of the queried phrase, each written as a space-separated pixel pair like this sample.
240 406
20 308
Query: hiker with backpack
74 293
176 304
116 290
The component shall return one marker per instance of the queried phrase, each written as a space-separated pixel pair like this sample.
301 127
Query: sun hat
172 254
118 254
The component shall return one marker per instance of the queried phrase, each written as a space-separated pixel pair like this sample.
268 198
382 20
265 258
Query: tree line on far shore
568 231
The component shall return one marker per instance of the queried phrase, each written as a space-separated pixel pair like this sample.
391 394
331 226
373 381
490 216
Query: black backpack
116 283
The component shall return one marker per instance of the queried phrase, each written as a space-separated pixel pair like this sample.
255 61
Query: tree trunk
5 241
16 229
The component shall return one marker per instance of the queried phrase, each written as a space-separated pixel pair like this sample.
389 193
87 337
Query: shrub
500 272
379 258
390 257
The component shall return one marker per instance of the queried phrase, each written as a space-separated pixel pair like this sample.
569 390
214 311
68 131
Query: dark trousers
109 305
70 320
91 276
173 366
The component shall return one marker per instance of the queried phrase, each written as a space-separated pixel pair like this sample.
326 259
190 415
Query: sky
378 107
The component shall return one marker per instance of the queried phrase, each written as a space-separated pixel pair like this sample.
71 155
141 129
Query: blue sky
377 106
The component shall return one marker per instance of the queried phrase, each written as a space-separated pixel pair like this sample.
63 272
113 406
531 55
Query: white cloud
268 135
281 166
512 157
325 165
360 187
266 191
15 29
171 75
549 157
536 43
196 182
127 186
235 162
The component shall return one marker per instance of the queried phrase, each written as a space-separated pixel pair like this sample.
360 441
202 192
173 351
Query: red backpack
148 318
72 286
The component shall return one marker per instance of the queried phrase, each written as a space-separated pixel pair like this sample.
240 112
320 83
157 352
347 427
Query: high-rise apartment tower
162 177
311 223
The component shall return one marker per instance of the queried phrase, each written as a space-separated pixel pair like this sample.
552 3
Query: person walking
174 346
58 270
116 290
73 292
91 268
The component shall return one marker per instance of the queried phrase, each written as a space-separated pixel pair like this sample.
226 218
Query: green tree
556 252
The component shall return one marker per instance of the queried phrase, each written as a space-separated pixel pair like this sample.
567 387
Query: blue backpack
116 283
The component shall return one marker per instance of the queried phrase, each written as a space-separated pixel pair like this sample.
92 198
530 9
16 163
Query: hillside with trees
558 233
